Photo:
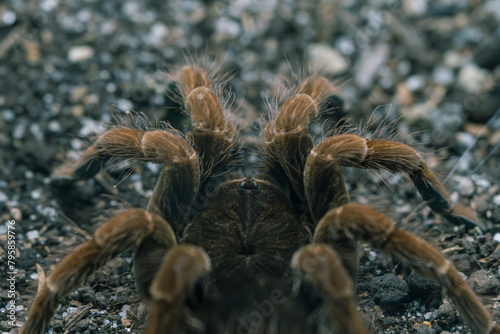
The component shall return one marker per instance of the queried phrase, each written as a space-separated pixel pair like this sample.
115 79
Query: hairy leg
288 141
330 155
288 145
212 134
181 268
359 222
321 266
126 231
179 178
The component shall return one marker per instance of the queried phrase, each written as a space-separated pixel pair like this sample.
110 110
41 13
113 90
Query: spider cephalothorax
283 243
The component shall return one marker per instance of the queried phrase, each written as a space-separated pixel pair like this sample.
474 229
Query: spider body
259 227
213 248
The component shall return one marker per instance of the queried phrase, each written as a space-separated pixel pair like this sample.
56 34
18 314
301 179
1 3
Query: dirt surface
66 67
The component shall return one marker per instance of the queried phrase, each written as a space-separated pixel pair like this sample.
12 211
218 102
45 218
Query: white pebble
80 53
33 235
124 104
496 237
9 18
443 76
472 78
415 82
36 194
123 313
326 58
496 200
54 126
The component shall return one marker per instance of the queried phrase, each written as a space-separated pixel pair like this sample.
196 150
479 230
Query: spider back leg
360 222
349 150
126 231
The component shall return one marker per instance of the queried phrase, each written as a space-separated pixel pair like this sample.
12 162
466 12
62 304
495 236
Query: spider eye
249 184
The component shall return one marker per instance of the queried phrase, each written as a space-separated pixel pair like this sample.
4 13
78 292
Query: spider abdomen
249 228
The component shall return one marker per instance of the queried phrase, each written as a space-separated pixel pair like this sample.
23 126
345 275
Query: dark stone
483 282
389 291
422 288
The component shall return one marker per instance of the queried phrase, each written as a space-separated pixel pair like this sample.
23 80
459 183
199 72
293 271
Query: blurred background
67 66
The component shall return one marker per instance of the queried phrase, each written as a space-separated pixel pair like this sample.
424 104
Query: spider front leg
182 267
288 140
179 178
359 222
288 144
212 134
322 267
144 231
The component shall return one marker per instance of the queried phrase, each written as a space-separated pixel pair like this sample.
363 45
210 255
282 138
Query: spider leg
288 145
327 157
126 231
321 266
157 146
181 268
179 178
212 134
359 222
288 141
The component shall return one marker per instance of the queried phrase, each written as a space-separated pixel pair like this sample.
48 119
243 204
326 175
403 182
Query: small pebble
54 126
124 104
415 82
369 62
8 115
472 78
16 213
327 59
496 237
77 111
443 76
33 235
80 53
8 18
3 197
227 28
483 282
125 309
465 140
415 7
452 59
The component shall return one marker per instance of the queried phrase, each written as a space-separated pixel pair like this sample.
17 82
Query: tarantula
219 252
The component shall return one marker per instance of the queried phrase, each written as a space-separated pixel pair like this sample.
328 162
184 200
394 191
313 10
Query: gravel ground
67 67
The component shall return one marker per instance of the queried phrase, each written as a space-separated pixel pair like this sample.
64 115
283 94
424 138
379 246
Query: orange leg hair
358 222
126 231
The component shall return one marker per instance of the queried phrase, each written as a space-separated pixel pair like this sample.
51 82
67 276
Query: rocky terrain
429 69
